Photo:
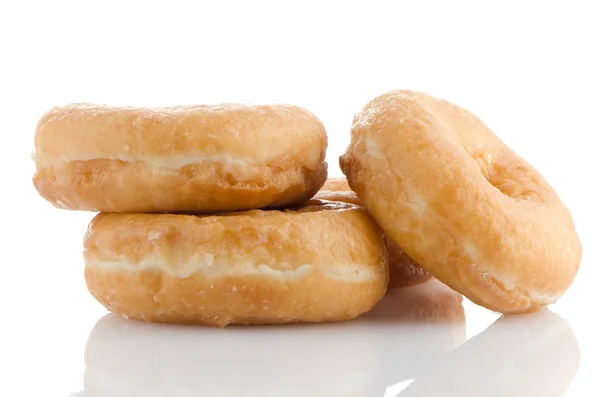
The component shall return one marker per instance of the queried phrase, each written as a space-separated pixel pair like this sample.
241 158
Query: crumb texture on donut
321 262
458 200
193 158
404 271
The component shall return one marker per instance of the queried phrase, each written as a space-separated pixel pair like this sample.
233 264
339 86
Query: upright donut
178 159
321 261
460 202
404 271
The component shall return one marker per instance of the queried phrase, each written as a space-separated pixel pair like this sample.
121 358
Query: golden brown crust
337 189
404 271
178 159
320 262
459 201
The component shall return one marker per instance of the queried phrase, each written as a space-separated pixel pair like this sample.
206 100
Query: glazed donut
321 261
178 159
404 271
467 208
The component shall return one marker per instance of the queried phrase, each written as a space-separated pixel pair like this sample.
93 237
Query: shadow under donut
529 355
418 325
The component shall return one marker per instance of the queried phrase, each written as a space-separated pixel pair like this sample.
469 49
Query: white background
528 69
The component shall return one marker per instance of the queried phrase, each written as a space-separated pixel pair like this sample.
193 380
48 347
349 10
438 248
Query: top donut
178 159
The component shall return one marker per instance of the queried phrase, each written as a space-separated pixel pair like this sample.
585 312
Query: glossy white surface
528 69
420 341
382 353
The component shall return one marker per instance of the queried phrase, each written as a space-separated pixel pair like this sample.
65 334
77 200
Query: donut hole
507 173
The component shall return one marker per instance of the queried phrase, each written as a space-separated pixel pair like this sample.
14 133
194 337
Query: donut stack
223 214
205 214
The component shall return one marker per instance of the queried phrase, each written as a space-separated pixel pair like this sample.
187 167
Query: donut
466 207
404 271
319 261
178 159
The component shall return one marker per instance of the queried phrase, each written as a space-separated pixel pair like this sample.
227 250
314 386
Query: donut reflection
417 325
531 355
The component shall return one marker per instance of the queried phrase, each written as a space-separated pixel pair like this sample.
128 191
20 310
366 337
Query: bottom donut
318 262
404 271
